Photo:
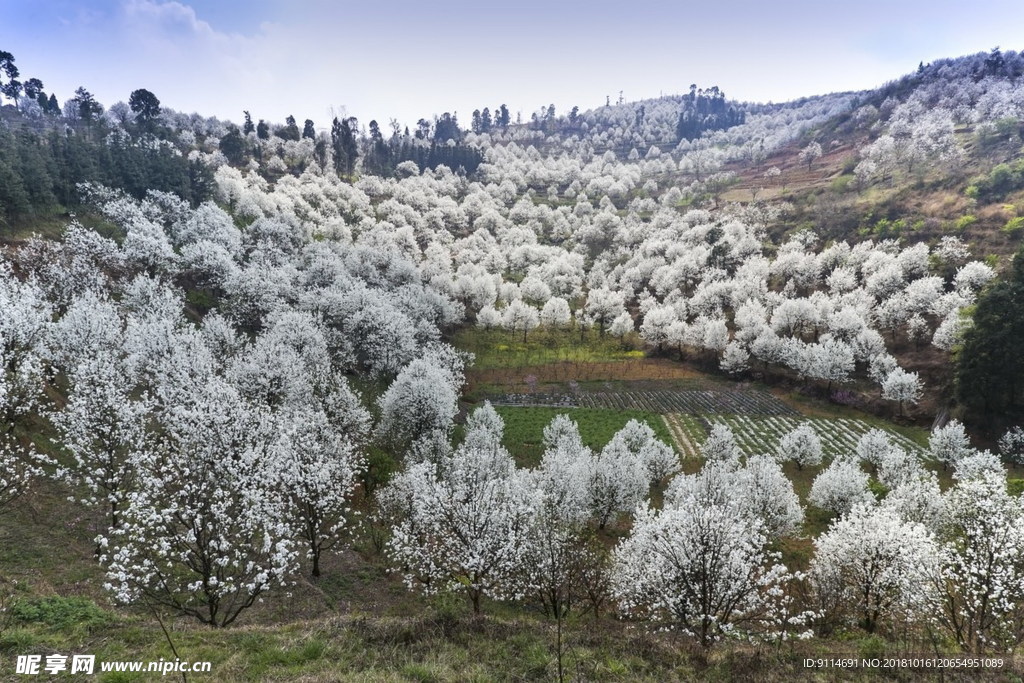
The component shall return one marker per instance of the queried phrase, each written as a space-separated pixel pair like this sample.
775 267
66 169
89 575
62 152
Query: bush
878 488
380 466
842 184
872 647
965 222
1001 180
59 612
1014 225
886 228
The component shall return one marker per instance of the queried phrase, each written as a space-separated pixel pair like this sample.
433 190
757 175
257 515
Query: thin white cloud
408 60
190 64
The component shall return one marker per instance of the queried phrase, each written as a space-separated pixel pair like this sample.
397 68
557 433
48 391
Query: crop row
749 402
535 399
687 431
838 435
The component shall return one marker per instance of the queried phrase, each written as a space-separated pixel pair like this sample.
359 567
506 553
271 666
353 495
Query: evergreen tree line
44 156
706 110
484 122
40 168
990 362
382 157
430 146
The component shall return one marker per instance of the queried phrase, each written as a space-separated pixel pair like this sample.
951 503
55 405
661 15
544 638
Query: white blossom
871 566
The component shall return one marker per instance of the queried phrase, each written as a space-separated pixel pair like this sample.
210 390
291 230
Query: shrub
965 222
1014 224
842 184
1001 180
59 612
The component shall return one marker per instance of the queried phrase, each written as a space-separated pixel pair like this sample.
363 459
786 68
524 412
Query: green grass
422 648
356 648
524 427
693 428
58 612
689 432
51 223
495 349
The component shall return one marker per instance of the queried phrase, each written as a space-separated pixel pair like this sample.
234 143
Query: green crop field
494 349
524 427
756 434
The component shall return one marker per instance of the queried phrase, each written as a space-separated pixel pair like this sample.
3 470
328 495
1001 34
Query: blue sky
407 59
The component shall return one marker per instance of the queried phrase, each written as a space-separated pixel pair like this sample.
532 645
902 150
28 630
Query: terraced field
688 433
757 418
749 402
693 402
838 435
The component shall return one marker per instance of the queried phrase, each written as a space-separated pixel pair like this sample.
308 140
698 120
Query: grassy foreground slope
358 622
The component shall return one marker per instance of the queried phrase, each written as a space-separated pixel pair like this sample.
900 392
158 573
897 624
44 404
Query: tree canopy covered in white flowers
247 364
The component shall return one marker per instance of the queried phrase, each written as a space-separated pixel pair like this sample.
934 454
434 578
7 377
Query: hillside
633 393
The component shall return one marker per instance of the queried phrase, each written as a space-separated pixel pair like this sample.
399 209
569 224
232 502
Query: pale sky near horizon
409 60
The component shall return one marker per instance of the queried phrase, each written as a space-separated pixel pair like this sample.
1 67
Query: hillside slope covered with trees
646 389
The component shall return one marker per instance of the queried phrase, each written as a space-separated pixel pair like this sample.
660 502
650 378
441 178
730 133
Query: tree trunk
474 595
558 628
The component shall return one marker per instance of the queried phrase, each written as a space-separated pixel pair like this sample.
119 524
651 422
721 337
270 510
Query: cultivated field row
838 435
687 433
749 402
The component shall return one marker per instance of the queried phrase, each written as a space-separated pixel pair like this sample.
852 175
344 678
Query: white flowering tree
382 338
23 322
898 467
758 490
720 446
831 361
871 566
19 467
461 525
102 427
203 532
810 153
555 313
802 445
765 492
735 359
316 467
873 447
519 316
981 585
560 561
702 570
621 326
948 443
840 486
1011 444
903 387
25 330
919 499
619 481
637 438
602 307
422 399
489 318
977 464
